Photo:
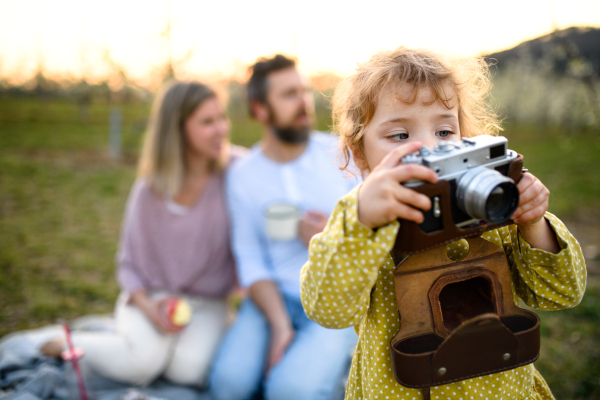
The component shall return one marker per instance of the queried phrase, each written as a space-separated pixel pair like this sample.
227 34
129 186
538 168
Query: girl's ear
359 159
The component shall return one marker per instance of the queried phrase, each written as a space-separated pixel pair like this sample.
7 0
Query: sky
219 38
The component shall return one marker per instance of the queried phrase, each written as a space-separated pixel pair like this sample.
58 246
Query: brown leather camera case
458 319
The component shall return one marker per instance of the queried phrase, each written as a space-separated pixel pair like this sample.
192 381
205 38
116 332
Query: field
62 199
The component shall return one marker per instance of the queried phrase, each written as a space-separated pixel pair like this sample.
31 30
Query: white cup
281 221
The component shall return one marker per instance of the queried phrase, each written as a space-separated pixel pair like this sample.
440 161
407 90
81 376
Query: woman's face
206 130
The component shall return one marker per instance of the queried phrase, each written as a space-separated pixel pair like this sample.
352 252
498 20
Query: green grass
62 200
566 162
570 354
59 229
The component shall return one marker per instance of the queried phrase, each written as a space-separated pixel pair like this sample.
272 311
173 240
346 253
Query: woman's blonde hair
356 97
163 159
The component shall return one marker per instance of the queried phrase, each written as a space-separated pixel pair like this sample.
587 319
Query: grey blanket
26 374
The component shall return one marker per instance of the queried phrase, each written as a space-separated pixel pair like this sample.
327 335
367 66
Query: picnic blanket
26 374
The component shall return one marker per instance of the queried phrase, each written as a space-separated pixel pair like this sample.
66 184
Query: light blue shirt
312 182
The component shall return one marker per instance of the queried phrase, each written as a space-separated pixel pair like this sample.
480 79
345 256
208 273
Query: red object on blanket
73 355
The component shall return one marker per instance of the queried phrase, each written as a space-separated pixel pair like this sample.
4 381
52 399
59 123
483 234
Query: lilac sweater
187 254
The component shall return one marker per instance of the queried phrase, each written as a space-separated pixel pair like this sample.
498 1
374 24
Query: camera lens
488 195
495 199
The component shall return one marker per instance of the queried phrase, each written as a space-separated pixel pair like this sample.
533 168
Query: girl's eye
444 134
399 136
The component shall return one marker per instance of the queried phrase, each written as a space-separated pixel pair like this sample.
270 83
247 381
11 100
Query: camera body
476 191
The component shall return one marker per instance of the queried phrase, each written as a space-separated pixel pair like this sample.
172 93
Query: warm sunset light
221 199
74 38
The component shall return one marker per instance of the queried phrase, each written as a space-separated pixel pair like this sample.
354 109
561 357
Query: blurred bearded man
279 196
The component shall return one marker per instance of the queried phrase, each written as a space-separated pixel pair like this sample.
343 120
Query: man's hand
312 223
265 294
281 338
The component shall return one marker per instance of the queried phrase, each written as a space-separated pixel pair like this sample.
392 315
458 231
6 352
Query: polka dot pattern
348 281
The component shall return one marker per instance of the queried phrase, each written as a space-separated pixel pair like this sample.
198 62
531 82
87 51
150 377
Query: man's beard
292 135
289 133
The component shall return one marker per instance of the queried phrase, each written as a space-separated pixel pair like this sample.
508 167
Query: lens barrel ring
488 195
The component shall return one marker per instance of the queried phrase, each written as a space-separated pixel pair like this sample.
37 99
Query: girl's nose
429 142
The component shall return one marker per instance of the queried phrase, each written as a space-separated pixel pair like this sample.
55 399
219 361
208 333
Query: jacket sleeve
343 266
541 279
127 275
247 237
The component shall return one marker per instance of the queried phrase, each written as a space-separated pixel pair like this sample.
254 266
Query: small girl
391 106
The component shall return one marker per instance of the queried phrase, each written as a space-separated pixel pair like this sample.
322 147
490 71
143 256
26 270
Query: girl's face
396 122
207 129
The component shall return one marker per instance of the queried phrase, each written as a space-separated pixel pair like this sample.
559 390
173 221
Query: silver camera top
472 166
452 159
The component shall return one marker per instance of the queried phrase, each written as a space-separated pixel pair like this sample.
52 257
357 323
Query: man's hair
356 97
257 85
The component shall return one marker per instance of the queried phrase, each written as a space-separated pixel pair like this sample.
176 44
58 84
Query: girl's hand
529 217
533 202
382 199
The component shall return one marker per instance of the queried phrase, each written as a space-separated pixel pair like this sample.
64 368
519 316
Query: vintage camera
476 190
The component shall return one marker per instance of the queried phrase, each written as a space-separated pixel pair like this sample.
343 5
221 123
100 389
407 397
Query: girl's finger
529 216
412 198
406 212
394 158
537 203
404 173
526 181
531 192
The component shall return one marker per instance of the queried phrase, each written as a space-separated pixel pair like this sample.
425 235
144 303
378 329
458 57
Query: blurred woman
174 245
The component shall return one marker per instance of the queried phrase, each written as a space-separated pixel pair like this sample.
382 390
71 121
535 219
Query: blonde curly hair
356 97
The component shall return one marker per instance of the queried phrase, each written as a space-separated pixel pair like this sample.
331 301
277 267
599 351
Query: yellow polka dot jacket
348 281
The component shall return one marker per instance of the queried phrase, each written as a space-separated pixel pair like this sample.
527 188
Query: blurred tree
83 93
122 89
579 67
43 86
168 70
551 80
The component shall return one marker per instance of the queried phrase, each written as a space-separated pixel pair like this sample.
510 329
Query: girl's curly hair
356 97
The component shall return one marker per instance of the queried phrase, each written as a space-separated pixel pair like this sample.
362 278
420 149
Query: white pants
138 353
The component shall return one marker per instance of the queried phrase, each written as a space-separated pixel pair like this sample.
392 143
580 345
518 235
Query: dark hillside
562 47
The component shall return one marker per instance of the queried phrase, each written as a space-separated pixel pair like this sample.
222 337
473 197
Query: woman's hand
161 320
529 216
155 312
382 199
